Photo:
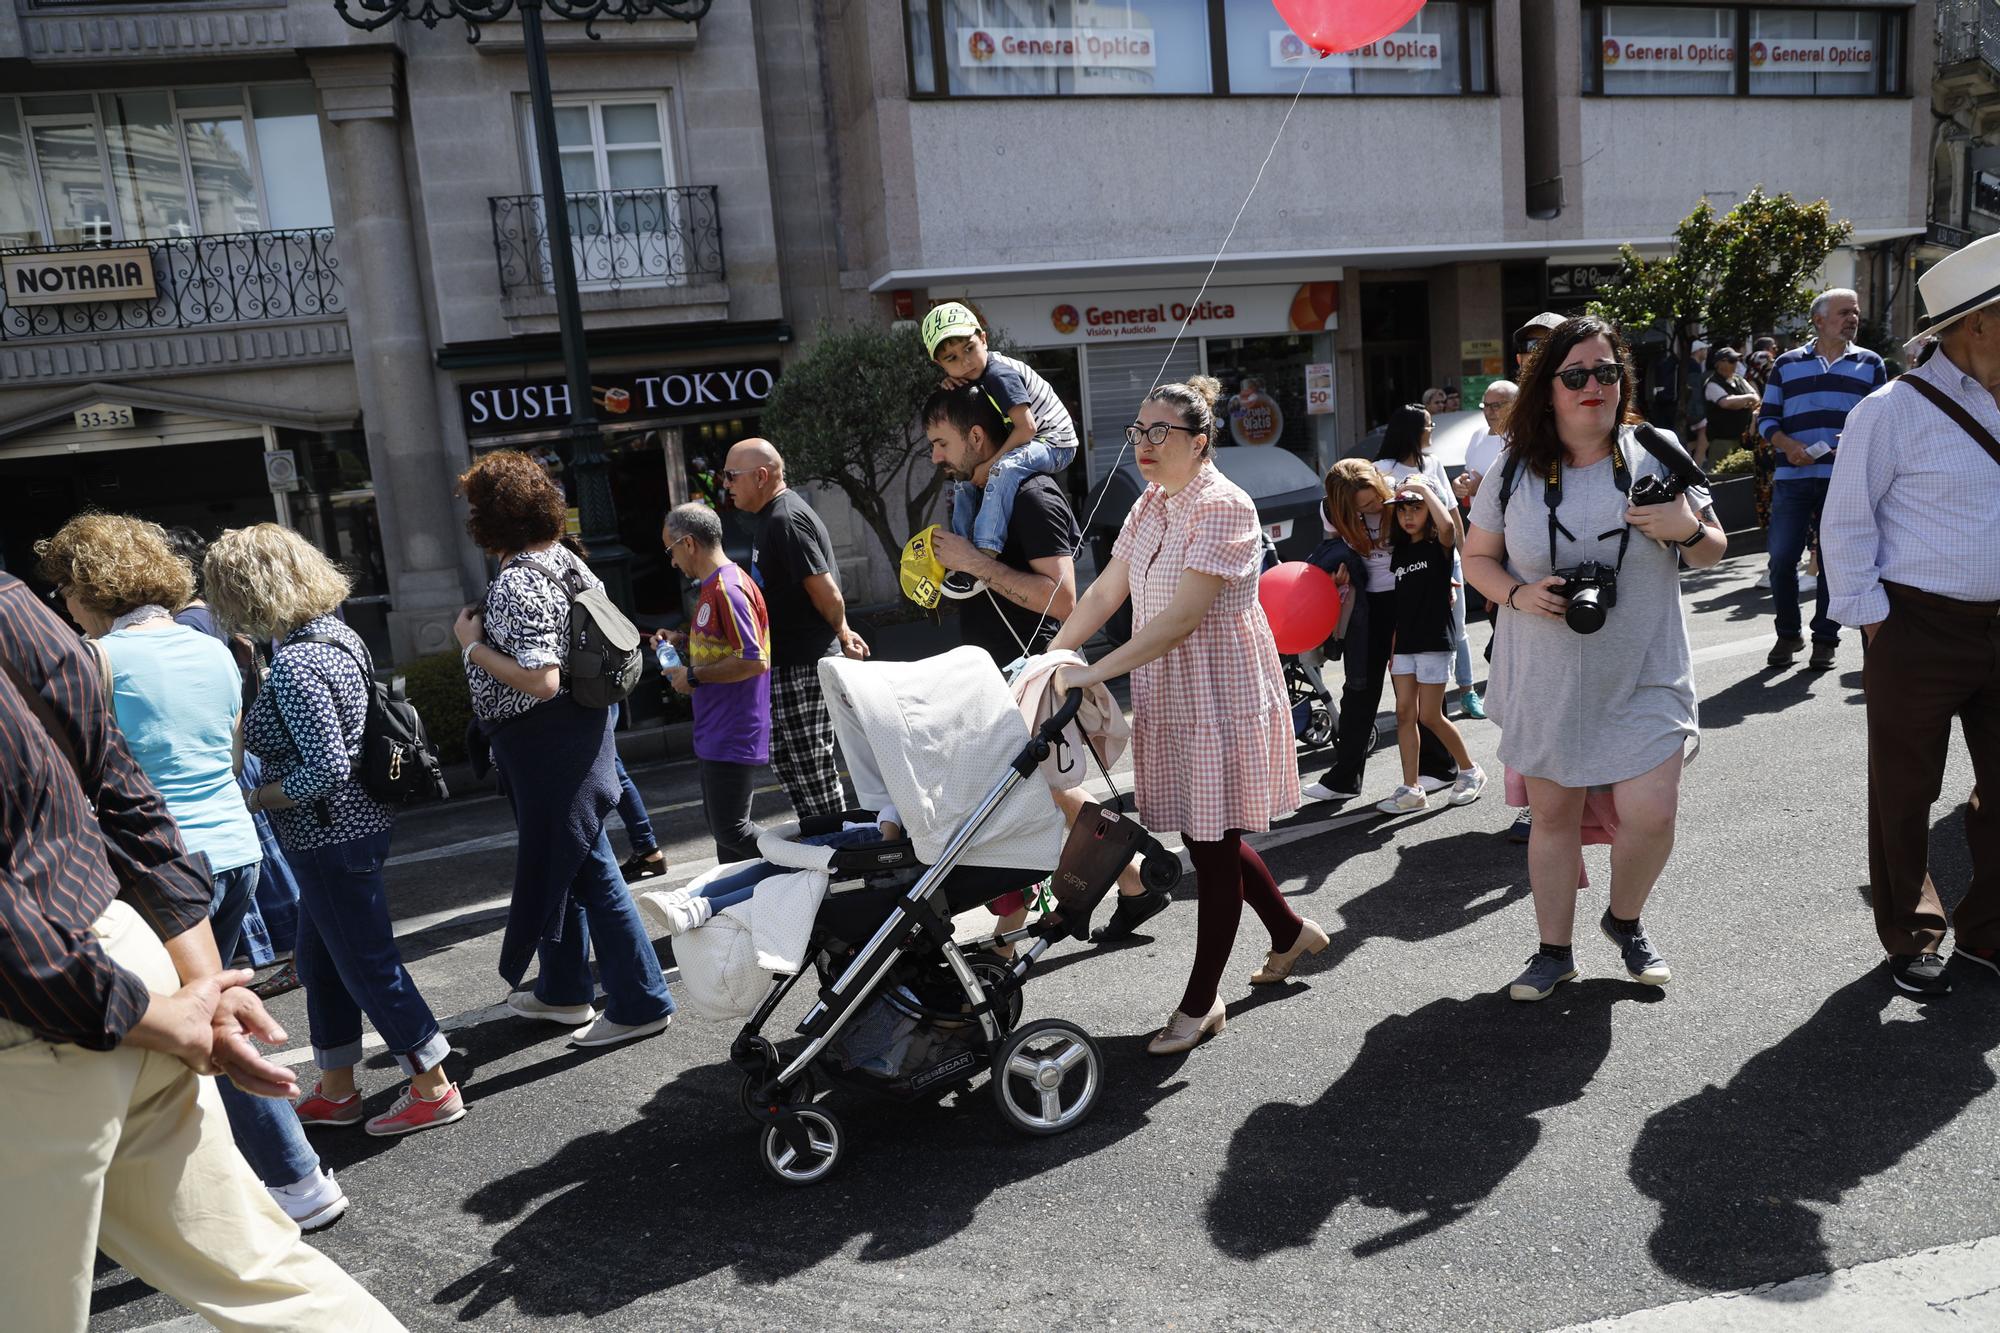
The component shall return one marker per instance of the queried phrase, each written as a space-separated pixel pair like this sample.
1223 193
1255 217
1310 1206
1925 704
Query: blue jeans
981 517
266 1129
726 891
349 963
632 812
600 905
1795 506
1461 645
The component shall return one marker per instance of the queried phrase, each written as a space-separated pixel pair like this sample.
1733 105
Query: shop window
1709 51
1056 48
100 168
1264 392
1442 51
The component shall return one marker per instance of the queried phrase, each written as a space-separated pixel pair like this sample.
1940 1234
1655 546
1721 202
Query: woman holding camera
1585 706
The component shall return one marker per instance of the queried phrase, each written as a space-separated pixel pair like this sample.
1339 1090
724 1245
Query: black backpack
603 663
398 765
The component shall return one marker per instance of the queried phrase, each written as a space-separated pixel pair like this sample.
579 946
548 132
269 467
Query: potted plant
1733 487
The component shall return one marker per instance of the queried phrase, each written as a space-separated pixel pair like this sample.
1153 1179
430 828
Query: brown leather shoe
1184 1033
1277 966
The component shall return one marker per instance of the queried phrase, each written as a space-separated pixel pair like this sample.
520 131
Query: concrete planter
1736 503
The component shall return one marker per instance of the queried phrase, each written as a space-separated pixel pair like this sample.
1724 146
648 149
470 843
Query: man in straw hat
1908 550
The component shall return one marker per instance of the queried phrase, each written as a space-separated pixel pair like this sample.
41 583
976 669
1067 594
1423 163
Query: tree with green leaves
1729 276
846 413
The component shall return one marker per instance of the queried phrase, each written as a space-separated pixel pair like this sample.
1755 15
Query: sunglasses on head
1577 376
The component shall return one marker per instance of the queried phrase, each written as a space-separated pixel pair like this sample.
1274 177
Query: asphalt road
1385 1143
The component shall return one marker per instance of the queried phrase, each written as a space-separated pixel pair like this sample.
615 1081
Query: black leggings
726 790
1227 874
1365 665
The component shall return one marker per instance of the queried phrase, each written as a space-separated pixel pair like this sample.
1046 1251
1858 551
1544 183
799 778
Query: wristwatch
692 680
1700 531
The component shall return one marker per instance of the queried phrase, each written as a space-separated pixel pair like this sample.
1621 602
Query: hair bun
1206 387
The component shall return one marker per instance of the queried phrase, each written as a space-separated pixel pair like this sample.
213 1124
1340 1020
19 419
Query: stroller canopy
933 738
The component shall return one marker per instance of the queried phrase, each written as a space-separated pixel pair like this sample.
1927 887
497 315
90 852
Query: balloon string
1167 360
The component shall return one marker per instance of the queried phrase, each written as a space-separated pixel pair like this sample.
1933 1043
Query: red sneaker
412 1113
319 1109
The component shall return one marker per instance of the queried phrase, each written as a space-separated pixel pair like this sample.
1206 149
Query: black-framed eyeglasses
1577 376
1155 434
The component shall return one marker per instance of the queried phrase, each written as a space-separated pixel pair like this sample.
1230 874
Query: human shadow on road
1439 1107
1768 690
679 1193
1738 1169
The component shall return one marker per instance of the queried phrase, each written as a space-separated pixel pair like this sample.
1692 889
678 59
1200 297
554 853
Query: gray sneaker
1642 961
1544 974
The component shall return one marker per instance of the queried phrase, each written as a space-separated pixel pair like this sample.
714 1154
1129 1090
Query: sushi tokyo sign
513 407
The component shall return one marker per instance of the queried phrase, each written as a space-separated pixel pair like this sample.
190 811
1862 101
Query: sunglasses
1155 434
1577 376
730 474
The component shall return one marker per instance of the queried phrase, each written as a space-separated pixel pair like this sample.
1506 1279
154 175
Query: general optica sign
1053 48
1679 54
1811 56
1088 317
1413 51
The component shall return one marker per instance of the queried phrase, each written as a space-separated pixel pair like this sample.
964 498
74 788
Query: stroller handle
1046 735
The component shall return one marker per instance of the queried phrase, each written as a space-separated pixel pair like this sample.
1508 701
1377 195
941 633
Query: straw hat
1960 283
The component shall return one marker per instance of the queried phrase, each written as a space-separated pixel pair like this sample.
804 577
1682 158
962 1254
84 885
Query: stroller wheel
802 1145
1046 1076
807 1089
1319 726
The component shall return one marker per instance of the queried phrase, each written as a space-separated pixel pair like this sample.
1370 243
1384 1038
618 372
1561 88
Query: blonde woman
272 584
1357 496
178 698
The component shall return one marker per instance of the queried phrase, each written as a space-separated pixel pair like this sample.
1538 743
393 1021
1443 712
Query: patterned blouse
306 728
527 618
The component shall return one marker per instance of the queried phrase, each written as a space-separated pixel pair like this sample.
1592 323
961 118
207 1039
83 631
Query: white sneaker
673 913
313 1202
1471 781
1319 791
604 1032
1430 784
525 1004
1404 801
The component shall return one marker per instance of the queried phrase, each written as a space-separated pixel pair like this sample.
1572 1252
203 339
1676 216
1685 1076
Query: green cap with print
950 320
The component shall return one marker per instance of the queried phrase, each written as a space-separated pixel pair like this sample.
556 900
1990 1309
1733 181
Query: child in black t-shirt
1421 534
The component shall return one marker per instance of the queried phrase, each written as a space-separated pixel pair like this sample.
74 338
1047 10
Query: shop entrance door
1395 347
208 487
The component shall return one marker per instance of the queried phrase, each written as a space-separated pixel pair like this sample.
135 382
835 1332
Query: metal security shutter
1121 374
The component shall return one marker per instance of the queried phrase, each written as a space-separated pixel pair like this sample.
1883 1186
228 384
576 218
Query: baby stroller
903 1009
1313 715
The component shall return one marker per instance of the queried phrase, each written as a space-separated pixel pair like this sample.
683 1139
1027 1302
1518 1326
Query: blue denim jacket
1334 554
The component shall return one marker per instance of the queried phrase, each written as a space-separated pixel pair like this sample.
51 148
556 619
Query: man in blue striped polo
1807 397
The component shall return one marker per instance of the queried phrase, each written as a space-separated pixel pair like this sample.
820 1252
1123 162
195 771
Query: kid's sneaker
1404 801
412 1113
1471 782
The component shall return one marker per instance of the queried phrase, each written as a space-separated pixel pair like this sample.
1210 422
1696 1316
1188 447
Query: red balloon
1331 26
1302 602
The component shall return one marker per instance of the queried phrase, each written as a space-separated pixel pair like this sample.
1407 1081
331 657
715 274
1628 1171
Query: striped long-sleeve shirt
1808 397
61 861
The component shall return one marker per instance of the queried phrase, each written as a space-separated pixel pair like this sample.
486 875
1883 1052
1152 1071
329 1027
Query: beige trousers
129 1152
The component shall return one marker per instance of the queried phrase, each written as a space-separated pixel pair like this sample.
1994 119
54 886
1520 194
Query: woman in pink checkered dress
1211 723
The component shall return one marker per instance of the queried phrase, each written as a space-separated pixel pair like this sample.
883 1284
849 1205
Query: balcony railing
200 281
657 237
1968 30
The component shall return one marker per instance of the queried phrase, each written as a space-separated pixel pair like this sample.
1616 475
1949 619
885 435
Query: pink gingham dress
1211 722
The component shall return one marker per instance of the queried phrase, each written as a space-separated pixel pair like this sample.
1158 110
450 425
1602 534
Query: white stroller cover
932 738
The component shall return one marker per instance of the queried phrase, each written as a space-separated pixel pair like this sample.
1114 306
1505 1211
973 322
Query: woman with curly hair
555 758
177 697
306 726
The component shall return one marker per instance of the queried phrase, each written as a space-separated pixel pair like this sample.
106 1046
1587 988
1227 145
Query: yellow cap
950 320
920 572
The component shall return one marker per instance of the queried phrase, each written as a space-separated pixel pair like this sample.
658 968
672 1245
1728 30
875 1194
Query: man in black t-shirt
1031 586
791 557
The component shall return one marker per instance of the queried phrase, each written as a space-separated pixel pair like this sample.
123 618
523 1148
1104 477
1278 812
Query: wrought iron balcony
660 237
247 277
1969 30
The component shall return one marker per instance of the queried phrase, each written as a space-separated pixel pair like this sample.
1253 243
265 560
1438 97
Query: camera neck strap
1552 496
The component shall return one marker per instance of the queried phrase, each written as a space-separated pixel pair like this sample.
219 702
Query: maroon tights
1228 873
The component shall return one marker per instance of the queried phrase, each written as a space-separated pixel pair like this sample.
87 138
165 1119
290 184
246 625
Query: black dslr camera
1592 589
1682 471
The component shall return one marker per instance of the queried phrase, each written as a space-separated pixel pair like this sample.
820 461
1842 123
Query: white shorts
1428 668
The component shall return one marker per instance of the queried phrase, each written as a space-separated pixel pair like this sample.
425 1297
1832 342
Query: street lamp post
595 512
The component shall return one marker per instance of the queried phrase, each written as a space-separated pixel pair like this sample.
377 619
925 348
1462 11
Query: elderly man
726 675
112 1001
1908 551
1807 396
791 557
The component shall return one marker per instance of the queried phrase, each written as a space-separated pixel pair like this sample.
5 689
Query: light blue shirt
176 693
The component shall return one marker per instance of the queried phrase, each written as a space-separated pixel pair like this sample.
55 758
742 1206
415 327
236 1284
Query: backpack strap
1956 411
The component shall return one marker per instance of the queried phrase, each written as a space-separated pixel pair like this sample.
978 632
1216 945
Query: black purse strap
1956 411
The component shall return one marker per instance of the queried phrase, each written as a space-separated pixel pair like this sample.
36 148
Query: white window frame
601 165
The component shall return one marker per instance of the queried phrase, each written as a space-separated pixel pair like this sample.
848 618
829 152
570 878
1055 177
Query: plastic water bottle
668 658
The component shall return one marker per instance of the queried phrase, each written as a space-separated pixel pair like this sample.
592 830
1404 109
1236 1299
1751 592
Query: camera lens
1586 611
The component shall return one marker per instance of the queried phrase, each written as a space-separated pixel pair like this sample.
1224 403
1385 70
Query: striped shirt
60 864
1913 500
1008 384
1809 398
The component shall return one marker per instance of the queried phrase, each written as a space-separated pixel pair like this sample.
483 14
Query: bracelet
257 799
465 655
1510 596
